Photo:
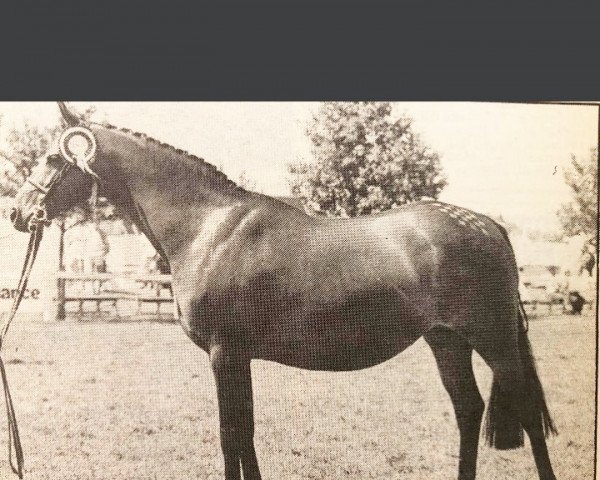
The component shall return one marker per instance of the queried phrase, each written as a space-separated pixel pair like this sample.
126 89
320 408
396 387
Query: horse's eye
55 161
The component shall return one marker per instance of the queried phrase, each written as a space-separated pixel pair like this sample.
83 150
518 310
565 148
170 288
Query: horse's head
61 179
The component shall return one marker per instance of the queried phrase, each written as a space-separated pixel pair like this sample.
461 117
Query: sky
499 159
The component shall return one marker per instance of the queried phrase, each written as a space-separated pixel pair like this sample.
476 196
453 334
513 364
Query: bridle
73 153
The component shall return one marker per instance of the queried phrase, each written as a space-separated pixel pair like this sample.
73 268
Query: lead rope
13 429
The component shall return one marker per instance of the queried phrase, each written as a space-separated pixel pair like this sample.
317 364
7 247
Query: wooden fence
553 307
84 288
159 293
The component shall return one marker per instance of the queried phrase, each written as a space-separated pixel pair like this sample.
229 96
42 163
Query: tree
365 161
26 145
580 215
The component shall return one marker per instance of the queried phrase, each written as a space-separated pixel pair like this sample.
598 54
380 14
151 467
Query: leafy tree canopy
365 161
580 215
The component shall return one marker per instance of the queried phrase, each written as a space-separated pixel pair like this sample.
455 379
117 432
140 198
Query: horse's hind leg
532 424
453 356
234 390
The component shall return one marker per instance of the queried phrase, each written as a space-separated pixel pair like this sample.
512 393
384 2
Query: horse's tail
503 425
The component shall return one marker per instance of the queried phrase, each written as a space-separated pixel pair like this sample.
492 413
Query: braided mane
207 169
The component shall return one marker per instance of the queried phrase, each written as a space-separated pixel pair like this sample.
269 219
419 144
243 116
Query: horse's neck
171 216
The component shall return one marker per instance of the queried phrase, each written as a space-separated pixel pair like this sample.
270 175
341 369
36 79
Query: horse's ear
71 118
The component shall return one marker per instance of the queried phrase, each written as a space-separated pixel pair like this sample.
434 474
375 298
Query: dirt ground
137 401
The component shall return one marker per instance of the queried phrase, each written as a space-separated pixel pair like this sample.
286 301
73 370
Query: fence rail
148 277
91 291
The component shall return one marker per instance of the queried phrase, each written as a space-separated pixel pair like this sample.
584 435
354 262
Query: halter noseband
77 146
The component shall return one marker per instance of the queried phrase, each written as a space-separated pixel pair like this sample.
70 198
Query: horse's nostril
13 215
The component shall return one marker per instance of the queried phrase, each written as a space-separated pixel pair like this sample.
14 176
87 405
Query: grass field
137 401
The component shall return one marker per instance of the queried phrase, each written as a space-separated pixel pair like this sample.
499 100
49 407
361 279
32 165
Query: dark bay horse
257 279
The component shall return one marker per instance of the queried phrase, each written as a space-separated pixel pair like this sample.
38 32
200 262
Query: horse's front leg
236 416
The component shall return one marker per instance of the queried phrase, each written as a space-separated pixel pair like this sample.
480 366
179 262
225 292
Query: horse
255 278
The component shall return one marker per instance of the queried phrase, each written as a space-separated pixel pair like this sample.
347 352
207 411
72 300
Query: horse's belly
355 335
335 354
313 328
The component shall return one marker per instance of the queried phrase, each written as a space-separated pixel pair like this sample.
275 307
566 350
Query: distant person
571 288
162 265
554 289
164 269
159 265
577 302
588 262
77 265
563 287
97 249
